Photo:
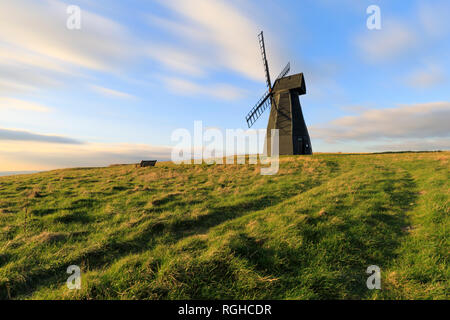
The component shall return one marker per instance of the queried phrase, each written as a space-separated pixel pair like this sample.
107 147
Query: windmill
285 112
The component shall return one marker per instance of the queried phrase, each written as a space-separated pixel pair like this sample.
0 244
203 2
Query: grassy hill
225 231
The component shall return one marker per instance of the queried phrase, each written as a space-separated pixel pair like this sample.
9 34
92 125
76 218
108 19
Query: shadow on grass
74 217
43 212
332 260
151 231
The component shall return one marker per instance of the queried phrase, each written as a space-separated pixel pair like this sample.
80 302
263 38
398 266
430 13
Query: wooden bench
147 163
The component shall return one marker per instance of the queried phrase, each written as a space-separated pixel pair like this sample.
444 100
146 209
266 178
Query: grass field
227 232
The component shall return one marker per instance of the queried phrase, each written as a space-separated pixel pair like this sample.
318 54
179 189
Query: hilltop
227 232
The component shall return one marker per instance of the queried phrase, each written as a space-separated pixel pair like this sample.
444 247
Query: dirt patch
48 237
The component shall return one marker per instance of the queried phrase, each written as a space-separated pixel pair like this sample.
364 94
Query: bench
147 163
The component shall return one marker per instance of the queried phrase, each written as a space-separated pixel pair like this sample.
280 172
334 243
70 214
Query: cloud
12 103
24 79
111 93
17 57
413 145
354 108
38 51
224 32
7 87
394 39
218 91
427 120
211 36
428 77
40 27
423 30
17 156
178 61
434 18
18 135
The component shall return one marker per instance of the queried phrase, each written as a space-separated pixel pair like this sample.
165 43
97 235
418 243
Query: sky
116 89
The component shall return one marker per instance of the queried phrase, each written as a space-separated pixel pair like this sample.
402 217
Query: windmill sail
258 109
285 71
264 102
264 57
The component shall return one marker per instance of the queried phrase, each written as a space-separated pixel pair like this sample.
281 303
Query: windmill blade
285 71
258 109
264 57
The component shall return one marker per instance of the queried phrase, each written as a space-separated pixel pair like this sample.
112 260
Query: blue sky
116 89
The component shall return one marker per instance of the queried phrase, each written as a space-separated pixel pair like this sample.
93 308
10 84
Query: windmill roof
295 82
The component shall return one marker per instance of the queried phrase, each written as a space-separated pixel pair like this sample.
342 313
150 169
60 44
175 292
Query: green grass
227 232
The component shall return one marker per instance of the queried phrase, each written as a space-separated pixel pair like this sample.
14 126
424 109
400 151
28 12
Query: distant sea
12 173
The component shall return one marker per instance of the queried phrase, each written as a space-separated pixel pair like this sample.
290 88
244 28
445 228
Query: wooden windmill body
285 113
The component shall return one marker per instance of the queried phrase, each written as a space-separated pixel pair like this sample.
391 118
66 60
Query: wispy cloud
419 31
19 135
225 32
429 76
22 78
19 155
212 36
433 17
17 57
38 51
427 120
394 39
111 93
178 61
17 104
8 86
40 27
218 91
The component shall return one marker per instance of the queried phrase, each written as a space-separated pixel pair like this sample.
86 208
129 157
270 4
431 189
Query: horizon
14 173
116 89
